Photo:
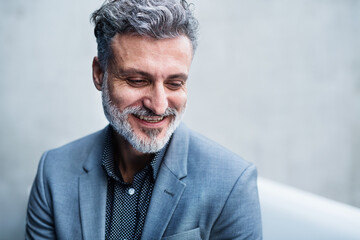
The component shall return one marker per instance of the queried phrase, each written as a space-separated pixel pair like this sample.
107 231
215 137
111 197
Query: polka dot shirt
127 203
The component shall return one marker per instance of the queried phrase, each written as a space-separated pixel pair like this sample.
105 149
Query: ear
97 73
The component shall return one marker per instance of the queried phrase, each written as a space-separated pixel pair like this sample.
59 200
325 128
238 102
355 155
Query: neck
130 161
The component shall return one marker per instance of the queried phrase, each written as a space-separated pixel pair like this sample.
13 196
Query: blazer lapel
168 187
92 194
167 191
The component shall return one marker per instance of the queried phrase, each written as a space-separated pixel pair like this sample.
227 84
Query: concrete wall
279 83
276 81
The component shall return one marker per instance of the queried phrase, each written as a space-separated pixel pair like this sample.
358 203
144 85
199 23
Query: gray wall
277 82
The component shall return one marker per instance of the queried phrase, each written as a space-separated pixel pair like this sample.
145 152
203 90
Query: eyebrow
182 76
125 72
129 71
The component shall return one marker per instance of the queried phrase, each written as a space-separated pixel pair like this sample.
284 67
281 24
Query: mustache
142 111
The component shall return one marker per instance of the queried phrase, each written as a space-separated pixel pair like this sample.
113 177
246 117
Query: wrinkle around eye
175 85
137 82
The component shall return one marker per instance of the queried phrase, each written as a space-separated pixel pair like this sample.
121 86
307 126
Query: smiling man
146 175
144 88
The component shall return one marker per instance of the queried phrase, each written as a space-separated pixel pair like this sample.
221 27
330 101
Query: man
146 175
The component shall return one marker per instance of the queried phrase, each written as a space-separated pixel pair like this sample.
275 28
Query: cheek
124 98
178 101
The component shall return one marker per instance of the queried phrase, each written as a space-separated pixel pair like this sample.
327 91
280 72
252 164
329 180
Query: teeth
152 120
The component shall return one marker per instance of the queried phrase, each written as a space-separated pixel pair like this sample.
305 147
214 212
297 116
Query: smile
151 119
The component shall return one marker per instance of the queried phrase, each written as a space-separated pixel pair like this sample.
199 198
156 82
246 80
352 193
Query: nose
156 100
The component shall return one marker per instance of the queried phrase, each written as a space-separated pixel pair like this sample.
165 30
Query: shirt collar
109 163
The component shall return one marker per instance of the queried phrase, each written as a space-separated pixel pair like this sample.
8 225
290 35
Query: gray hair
154 18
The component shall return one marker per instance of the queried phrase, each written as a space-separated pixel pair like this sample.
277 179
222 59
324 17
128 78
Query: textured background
276 81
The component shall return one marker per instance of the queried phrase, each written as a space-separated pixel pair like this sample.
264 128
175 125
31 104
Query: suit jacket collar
165 197
92 191
176 156
95 156
168 188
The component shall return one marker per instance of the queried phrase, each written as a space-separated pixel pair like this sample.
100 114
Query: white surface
289 213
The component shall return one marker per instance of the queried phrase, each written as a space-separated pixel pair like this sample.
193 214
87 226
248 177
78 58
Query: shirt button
131 191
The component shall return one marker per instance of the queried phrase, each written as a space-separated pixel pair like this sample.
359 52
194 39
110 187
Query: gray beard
119 121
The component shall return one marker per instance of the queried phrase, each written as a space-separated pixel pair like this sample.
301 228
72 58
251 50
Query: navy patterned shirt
127 203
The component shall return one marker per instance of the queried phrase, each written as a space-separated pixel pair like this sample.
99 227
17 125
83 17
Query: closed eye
136 82
175 84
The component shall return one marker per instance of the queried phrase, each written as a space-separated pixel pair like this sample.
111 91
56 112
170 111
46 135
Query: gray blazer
202 191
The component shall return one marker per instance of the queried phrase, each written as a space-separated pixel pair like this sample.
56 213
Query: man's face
144 90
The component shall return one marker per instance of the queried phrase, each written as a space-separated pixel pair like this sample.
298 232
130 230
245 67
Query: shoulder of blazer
73 156
208 155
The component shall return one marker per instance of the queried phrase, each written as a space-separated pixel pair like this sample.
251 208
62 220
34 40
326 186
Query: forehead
133 49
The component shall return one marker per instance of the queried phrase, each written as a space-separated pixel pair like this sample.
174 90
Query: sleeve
240 217
39 219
